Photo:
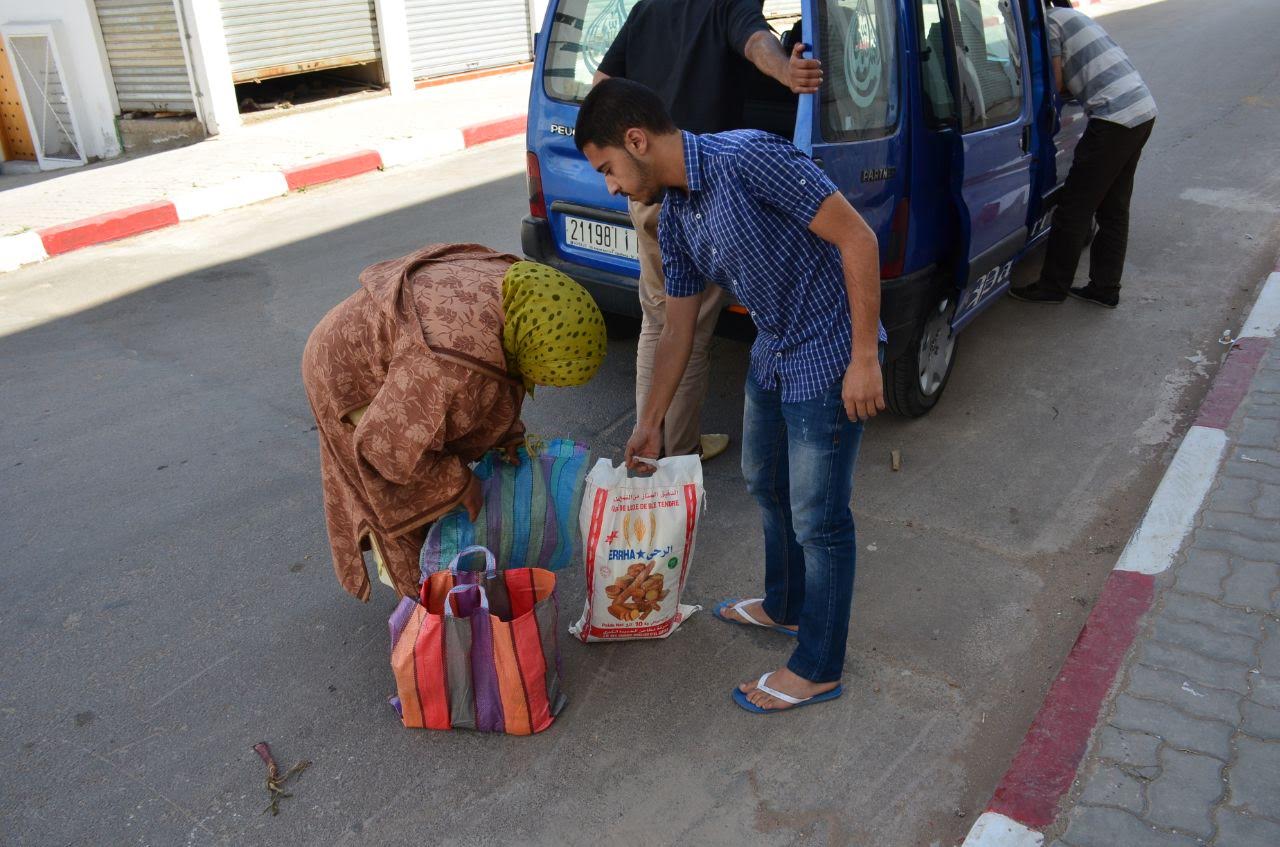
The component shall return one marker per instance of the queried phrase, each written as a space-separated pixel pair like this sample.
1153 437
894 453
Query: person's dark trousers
1099 186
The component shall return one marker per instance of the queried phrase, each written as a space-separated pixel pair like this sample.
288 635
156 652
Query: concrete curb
1045 764
36 246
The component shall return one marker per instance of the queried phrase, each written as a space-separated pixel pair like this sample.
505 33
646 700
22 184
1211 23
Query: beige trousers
682 427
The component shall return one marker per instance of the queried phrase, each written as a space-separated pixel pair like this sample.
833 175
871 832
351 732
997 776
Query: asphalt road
167 599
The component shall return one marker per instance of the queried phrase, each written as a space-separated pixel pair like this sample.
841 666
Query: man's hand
646 443
863 389
800 75
804 76
473 498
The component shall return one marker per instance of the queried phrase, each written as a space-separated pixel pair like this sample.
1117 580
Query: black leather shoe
1098 297
1036 293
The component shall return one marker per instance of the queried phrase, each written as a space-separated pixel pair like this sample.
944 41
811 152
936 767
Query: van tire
914 382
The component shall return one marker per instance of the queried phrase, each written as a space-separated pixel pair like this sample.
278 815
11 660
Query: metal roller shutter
448 36
267 38
144 49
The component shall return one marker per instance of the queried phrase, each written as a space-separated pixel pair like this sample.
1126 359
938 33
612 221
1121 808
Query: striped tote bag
530 510
478 650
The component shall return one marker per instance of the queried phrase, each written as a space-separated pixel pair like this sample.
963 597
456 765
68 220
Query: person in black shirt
698 55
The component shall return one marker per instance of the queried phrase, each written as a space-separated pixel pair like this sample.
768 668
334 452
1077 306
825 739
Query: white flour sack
638 535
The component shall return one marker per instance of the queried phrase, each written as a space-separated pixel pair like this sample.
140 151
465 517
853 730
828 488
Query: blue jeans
798 460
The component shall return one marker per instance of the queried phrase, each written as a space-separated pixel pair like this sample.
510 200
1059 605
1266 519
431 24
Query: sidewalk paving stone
1184 732
1261 722
1266 691
1268 502
1254 778
1251 584
1183 796
1204 572
1138 752
1114 787
1178 691
1199 669
1269 652
1094 826
1188 607
1233 543
1246 525
1259 455
1235 495
1261 432
1204 639
1235 828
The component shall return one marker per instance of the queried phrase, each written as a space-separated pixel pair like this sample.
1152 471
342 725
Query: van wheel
915 380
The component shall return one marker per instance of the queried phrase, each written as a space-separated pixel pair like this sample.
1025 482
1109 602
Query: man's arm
801 75
838 223
1055 53
669 362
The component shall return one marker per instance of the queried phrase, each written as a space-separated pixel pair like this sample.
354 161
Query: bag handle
490 563
448 606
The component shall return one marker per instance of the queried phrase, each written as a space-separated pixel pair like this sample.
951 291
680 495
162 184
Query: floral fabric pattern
408 384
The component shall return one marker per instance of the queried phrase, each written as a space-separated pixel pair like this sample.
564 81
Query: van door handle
1026 139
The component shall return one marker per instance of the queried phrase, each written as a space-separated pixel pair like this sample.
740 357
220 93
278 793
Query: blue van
937 119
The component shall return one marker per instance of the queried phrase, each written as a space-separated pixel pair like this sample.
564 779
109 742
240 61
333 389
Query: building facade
71 70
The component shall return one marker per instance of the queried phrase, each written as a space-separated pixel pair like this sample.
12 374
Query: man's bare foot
755 610
785 682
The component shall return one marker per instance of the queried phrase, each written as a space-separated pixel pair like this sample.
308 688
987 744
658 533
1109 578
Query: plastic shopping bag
528 514
638 538
478 650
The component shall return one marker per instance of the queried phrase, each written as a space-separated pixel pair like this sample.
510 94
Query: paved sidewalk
253 163
1188 749
1162 729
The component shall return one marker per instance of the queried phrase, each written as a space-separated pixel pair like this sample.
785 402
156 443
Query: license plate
601 237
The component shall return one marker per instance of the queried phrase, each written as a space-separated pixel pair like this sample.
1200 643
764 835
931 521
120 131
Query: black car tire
914 382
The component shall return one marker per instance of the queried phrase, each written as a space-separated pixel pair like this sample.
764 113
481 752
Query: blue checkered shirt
744 225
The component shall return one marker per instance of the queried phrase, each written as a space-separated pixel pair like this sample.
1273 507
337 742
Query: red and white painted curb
38 245
1043 769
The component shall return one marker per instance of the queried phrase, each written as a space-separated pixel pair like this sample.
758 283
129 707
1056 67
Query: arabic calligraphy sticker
862 61
600 33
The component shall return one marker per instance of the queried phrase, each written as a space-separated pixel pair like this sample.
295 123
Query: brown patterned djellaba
408 384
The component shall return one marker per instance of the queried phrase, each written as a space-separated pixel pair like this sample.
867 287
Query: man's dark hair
616 105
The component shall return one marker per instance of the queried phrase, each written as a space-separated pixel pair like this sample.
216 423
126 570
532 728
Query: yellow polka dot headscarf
553 332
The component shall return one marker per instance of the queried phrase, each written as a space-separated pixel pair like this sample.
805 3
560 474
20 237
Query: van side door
989 64
853 126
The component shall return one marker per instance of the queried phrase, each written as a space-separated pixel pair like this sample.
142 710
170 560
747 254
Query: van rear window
860 85
583 30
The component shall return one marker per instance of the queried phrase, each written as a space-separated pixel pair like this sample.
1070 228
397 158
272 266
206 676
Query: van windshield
583 30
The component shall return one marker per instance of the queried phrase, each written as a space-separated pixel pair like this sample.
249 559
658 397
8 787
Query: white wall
537 11
84 66
200 22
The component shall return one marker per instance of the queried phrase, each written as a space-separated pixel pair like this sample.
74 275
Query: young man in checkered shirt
748 211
